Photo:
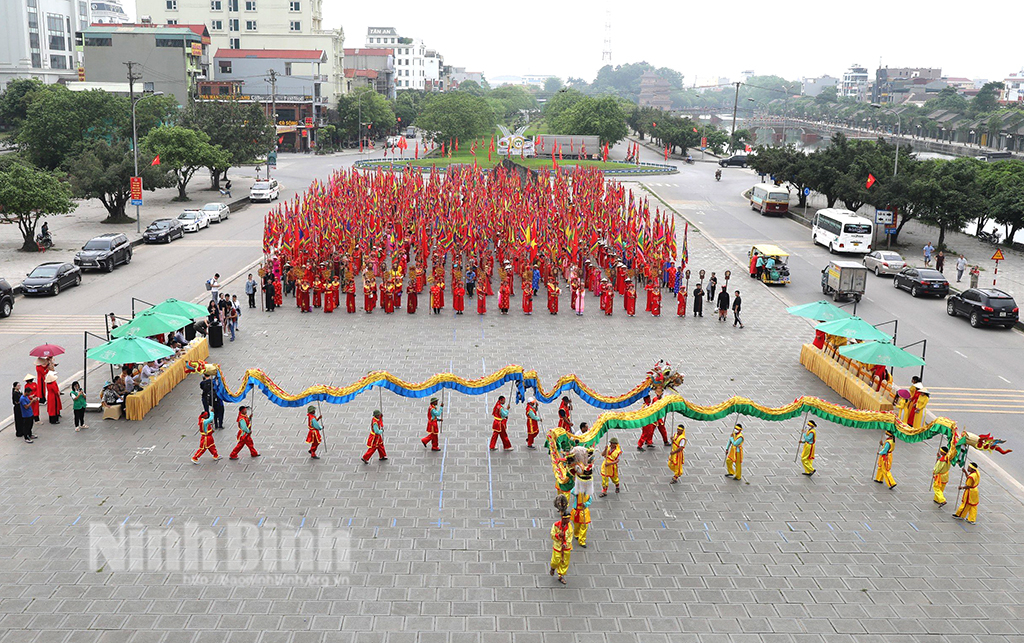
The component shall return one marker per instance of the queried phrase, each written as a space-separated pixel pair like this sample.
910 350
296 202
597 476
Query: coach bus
769 199
842 231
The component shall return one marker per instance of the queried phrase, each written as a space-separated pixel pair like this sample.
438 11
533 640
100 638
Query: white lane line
1004 379
960 354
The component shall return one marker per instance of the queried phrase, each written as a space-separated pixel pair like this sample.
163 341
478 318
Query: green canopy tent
820 310
881 352
129 350
151 322
853 328
180 308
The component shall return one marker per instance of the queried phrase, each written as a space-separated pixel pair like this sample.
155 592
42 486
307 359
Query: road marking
220 243
18 324
960 354
1004 379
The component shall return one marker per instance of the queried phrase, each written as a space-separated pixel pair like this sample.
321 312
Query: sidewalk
71 231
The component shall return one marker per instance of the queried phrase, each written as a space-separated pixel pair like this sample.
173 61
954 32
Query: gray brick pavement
462 555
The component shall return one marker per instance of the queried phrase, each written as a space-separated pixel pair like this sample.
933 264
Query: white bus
842 231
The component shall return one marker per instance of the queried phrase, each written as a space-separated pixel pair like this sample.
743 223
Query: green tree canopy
28 194
603 117
552 85
15 99
241 129
103 171
59 122
456 115
472 87
378 117
407 106
987 98
183 151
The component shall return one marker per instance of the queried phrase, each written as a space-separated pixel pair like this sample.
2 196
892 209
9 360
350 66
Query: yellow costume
610 466
734 455
581 518
676 456
807 451
969 501
561 547
940 476
883 472
922 402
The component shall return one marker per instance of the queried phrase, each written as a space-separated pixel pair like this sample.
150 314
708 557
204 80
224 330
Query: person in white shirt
129 383
148 371
961 265
215 287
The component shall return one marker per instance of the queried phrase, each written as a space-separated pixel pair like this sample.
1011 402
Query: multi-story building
654 91
895 84
855 83
814 86
380 61
107 12
1013 88
166 58
433 67
287 82
37 39
459 75
259 24
410 55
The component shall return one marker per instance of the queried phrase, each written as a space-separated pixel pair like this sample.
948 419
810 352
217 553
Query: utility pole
132 77
359 125
735 105
273 108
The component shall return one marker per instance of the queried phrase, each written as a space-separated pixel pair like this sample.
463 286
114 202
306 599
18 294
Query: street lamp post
135 146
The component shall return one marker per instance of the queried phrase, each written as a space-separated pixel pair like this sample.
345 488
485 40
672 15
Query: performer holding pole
244 434
676 456
808 438
969 499
734 454
375 441
883 470
435 417
205 438
314 423
940 476
561 539
499 427
533 421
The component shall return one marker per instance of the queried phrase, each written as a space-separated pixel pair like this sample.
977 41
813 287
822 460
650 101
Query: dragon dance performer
968 508
561 540
566 405
940 476
205 438
807 450
499 428
375 441
244 434
583 490
610 466
435 416
581 514
313 437
660 424
676 456
883 472
533 421
734 454
647 432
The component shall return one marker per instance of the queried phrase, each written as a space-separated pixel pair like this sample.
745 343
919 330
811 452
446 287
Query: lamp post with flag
135 148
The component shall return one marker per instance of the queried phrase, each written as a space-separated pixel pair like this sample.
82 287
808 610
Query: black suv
736 160
984 306
104 252
6 298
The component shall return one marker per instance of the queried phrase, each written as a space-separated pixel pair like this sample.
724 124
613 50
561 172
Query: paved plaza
454 546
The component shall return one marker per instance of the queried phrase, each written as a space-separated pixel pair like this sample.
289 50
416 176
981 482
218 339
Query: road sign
807 191
998 256
136 190
703 142
883 217
889 230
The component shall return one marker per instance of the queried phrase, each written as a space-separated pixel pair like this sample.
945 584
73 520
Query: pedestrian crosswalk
219 243
1003 401
18 324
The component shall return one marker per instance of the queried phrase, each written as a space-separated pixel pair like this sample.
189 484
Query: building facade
167 58
1013 88
814 86
108 12
854 83
37 39
654 91
380 61
258 24
897 84
410 55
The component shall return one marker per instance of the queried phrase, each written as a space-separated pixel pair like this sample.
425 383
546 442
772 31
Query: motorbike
988 237
718 175
689 161
44 241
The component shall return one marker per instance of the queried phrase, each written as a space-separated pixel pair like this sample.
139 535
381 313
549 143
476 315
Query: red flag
871 181
666 152
417 149
456 143
280 140
747 148
605 152
694 130
156 161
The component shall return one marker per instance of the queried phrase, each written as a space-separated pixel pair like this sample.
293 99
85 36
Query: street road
969 371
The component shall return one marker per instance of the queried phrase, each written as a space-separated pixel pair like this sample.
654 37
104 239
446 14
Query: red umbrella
46 350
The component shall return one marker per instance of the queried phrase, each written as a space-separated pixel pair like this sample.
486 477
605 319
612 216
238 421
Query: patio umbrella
129 350
149 323
46 350
853 328
181 309
880 352
819 310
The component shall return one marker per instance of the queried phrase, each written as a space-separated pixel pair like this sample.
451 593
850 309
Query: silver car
884 262
216 212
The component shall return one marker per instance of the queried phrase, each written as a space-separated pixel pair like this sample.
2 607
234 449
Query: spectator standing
268 292
113 321
26 413
928 250
206 392
940 261
215 287
698 300
250 290
736 303
231 315
712 288
78 404
19 422
723 304
961 265
218 409
238 310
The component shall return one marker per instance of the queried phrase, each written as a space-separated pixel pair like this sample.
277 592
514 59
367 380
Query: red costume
386 301
350 296
412 300
681 305
318 291
647 432
205 438
527 300
481 301
607 298
656 301
244 437
313 437
304 297
458 297
532 425
375 441
567 424
437 296
503 297
53 404
553 292
329 298
629 301
499 428
41 371
433 429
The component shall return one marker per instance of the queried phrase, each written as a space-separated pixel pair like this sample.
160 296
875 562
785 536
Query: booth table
138 404
841 380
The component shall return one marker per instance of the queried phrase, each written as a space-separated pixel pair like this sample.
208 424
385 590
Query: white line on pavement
960 354
1004 379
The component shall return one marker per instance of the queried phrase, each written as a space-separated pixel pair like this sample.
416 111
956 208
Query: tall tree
603 117
15 99
182 151
378 117
456 115
949 195
552 85
103 171
987 98
242 129
28 194
59 121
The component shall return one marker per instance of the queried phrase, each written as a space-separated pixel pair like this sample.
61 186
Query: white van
264 190
842 231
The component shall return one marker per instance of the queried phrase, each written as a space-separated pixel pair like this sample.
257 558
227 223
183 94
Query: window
287 69
250 5
178 43
295 25
37 60
172 22
58 62
172 5
225 66
224 91
215 5
83 8
97 41
56 43
33 40
233 24
217 25
232 5
235 43
250 25
294 5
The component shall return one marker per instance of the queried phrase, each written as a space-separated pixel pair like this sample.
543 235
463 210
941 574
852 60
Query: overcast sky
792 38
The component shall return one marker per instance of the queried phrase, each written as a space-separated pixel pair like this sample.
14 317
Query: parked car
984 306
6 298
921 281
217 212
193 220
163 231
736 160
104 252
884 262
50 278
265 191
